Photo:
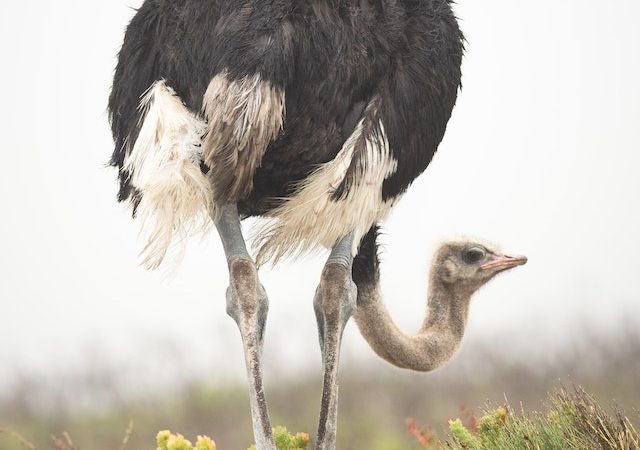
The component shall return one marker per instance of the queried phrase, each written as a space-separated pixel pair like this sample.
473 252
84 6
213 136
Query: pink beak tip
504 262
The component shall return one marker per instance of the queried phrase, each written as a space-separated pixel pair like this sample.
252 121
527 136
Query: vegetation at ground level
376 400
572 421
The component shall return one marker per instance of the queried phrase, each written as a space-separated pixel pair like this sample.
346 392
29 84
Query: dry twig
22 441
127 435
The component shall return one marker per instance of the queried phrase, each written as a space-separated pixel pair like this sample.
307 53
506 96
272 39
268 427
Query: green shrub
573 422
286 441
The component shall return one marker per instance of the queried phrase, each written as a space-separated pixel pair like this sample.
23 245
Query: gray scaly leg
248 305
334 303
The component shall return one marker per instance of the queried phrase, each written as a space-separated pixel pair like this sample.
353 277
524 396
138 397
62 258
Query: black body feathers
332 58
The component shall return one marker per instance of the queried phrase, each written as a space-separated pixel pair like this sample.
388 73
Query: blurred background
541 157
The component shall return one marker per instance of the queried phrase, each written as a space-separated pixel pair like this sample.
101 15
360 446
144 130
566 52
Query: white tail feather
164 165
312 218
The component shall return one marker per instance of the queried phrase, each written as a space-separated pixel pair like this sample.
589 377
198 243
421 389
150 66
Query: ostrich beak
504 262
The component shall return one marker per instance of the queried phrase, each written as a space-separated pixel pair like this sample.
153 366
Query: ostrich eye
473 255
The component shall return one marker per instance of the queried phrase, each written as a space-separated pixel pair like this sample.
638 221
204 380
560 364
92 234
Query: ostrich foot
248 305
334 303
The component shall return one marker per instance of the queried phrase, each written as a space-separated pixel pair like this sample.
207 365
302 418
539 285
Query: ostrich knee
247 301
335 301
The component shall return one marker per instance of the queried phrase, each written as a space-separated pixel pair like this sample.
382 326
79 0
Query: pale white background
541 156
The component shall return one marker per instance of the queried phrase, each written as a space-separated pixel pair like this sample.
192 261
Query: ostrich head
467 265
458 270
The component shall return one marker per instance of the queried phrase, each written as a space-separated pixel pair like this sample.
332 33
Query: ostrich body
316 115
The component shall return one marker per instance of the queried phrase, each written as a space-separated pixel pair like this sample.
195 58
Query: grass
572 421
375 401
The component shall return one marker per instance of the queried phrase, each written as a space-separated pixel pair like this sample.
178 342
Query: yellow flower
205 443
162 439
178 443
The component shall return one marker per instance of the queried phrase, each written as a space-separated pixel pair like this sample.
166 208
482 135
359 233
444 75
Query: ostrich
315 115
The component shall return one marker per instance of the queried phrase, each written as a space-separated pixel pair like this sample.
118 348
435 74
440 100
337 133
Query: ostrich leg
248 305
334 303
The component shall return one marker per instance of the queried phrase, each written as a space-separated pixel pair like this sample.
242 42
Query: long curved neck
436 341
